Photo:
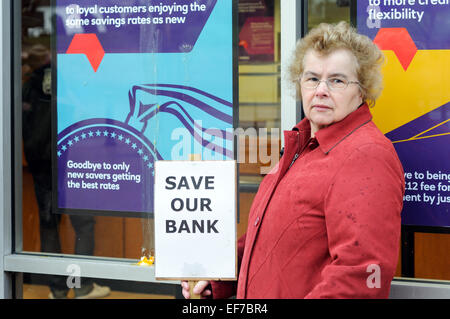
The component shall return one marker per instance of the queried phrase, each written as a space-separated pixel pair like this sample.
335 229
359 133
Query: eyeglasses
333 83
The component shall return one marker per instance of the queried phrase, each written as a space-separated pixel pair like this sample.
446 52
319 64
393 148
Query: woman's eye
336 81
312 79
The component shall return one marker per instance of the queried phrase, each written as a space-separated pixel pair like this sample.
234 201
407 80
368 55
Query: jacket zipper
297 154
295 158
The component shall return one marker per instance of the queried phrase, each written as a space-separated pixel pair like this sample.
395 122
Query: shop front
93 95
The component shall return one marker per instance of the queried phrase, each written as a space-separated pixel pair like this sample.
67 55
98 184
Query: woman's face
323 106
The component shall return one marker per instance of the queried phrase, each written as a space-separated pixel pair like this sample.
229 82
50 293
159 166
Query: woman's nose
322 88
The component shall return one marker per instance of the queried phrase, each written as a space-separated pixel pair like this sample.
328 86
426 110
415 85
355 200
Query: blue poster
138 81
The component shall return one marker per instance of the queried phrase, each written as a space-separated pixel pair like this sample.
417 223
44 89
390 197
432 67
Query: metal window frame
409 288
292 28
6 279
90 267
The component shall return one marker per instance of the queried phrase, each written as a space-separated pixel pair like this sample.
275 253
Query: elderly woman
325 222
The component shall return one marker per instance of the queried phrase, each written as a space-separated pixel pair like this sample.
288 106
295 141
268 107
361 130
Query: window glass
93 234
124 237
42 229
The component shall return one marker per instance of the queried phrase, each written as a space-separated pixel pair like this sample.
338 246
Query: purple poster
414 108
137 81
256 31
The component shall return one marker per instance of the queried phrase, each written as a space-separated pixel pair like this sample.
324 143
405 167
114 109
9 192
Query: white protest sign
195 220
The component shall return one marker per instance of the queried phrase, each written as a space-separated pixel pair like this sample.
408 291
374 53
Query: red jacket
326 225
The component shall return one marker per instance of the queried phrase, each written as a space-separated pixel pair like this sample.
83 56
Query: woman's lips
320 107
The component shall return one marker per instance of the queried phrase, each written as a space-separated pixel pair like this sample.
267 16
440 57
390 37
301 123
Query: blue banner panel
137 81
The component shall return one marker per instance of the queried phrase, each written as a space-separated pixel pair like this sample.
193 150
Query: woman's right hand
199 289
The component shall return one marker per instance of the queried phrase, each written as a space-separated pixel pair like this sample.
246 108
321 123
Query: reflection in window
329 11
35 287
259 88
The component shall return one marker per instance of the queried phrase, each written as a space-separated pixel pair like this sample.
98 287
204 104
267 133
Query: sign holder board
195 220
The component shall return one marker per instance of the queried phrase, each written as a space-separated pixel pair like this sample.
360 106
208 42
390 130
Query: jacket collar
329 137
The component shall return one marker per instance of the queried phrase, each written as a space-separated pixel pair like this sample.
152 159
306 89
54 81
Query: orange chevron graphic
399 41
